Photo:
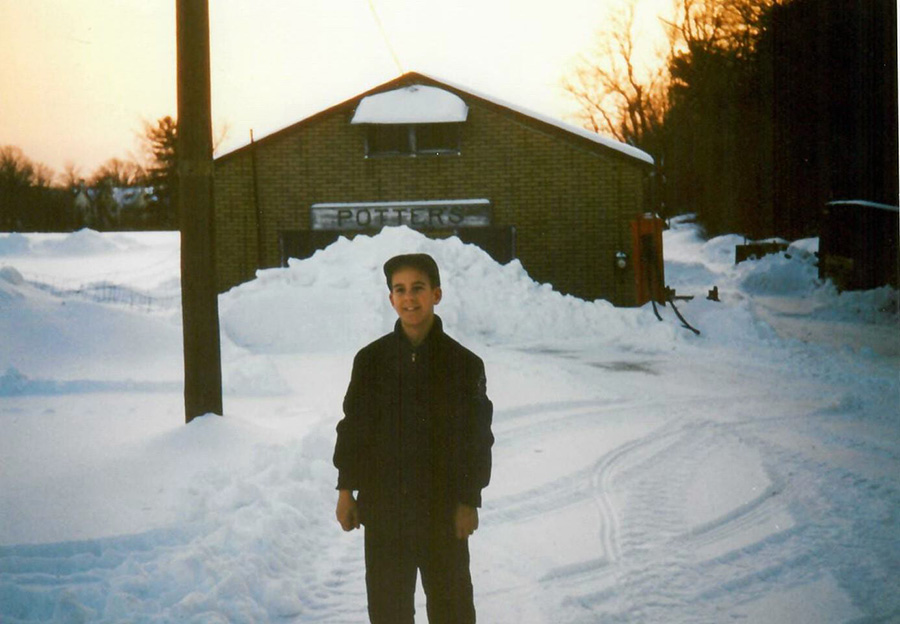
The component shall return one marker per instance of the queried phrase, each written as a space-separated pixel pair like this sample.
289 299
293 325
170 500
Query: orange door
647 254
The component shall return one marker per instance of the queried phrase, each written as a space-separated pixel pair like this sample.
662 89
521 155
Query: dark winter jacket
416 432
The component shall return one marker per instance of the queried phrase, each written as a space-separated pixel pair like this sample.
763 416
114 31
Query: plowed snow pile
338 300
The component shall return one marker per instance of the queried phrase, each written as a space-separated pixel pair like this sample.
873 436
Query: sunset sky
78 78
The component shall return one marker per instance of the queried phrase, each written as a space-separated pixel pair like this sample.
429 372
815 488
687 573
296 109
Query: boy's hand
465 521
347 512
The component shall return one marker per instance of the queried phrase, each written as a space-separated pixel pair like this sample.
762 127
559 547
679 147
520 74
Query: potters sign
419 215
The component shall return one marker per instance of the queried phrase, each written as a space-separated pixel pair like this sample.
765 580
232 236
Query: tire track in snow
844 521
515 425
783 539
594 482
605 472
670 565
596 585
571 488
512 426
653 559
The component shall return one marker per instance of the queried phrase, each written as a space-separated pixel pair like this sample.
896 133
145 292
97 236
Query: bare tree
17 170
71 176
617 94
717 25
627 97
24 189
44 176
117 173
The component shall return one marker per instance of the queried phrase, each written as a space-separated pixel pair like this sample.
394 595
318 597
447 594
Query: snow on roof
582 132
412 104
862 203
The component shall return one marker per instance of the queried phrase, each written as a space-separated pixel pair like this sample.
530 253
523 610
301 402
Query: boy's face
413 297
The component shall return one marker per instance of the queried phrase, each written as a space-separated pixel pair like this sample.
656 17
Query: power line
387 41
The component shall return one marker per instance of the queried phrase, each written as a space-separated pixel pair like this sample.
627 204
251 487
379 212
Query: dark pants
395 551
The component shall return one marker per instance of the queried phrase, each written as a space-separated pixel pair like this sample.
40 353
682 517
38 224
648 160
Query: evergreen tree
160 147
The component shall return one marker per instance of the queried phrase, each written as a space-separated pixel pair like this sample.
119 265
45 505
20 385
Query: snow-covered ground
642 473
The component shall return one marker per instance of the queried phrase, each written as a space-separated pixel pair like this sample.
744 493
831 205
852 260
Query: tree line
760 112
135 193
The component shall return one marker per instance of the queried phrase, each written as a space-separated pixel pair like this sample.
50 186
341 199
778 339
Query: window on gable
412 139
387 140
438 138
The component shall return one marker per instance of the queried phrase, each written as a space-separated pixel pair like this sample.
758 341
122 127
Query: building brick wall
570 200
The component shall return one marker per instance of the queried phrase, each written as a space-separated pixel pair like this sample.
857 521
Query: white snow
642 473
618 146
411 105
864 203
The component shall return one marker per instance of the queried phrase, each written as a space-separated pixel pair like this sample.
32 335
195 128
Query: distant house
114 206
858 246
416 151
83 203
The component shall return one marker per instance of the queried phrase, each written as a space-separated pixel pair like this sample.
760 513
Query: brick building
424 153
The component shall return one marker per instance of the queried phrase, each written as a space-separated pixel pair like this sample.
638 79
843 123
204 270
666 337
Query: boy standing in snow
415 443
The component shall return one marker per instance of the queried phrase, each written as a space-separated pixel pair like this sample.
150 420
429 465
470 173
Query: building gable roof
585 137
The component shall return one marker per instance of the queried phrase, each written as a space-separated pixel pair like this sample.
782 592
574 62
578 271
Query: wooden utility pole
200 313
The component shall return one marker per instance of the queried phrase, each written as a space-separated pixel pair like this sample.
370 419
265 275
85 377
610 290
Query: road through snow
699 501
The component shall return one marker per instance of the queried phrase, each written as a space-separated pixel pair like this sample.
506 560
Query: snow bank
48 339
82 242
877 306
240 551
14 244
693 262
776 297
338 299
778 274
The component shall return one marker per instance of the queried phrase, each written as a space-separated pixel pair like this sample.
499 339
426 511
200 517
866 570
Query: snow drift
337 299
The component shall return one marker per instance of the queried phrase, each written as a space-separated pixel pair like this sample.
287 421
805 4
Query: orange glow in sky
78 78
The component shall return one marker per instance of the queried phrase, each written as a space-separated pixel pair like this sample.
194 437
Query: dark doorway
499 242
302 244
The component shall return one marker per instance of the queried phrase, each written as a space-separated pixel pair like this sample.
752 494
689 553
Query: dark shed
858 244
